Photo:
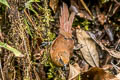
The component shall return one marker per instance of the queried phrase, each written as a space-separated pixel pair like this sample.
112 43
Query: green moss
85 24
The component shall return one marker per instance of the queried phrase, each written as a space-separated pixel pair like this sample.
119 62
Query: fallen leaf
112 52
74 71
109 32
97 74
118 76
89 49
78 8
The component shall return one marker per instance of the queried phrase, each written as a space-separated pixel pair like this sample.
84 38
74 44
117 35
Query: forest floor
28 29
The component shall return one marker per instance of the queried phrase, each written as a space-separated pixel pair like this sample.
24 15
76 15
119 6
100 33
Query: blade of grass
5 3
15 51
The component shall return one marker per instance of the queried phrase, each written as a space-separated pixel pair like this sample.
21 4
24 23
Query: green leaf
28 4
5 3
15 51
104 1
28 28
86 24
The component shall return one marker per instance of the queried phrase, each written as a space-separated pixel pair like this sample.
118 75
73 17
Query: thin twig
29 18
117 2
85 6
1 70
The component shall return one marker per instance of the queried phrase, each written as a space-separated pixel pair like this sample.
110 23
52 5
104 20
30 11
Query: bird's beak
61 61
64 65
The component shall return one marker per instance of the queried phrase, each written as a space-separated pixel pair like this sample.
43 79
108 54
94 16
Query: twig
117 2
85 6
29 18
112 52
1 70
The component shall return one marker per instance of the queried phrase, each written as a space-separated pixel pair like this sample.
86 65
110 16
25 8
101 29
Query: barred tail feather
66 20
71 20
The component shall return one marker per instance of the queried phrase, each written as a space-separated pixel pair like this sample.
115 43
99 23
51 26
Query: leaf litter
88 49
100 19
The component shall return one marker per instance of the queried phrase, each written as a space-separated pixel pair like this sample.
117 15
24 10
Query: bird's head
62 59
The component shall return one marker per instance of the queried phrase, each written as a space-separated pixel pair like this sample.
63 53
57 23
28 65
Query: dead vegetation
28 28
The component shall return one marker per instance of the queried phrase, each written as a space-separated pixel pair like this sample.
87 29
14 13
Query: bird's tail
66 20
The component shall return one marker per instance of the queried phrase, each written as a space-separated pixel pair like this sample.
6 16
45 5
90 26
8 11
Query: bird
62 47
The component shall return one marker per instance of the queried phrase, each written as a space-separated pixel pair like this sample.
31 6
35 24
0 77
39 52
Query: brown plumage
62 46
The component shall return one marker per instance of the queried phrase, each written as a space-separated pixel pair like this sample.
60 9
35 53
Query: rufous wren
62 46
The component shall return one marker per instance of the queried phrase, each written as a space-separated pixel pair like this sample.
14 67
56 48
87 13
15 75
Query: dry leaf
74 71
112 52
118 76
89 49
78 8
97 74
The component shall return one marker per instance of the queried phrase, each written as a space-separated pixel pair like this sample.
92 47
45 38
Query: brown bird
62 46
